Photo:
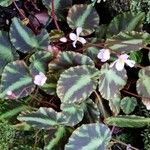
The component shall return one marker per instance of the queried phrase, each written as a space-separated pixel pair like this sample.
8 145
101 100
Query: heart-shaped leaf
16 81
76 84
7 51
111 81
89 136
128 104
84 16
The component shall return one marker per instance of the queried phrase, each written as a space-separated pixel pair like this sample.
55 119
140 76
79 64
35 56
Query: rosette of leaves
128 104
17 79
111 81
60 7
77 83
7 51
24 40
84 16
142 85
89 136
126 21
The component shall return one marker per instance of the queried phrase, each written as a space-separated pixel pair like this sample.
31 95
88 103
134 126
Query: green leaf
114 105
56 138
39 62
60 7
128 104
91 111
55 35
76 84
7 51
23 38
5 3
16 78
65 60
89 136
130 121
142 85
128 41
126 21
137 56
74 113
44 118
84 16
111 81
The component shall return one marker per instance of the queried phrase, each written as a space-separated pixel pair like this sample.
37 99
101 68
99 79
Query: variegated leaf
23 38
7 51
94 136
128 104
44 118
55 35
65 60
76 83
129 121
74 113
16 79
5 3
111 81
39 62
126 21
143 85
128 41
84 16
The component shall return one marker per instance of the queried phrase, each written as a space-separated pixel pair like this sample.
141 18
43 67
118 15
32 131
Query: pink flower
121 61
40 79
104 55
75 37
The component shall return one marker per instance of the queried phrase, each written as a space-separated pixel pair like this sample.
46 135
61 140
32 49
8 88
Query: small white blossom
146 102
9 93
63 39
40 79
121 61
76 37
104 55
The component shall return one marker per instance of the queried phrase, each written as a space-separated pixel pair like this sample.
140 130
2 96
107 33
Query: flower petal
113 63
74 44
119 65
73 36
104 55
40 79
123 56
130 63
82 40
63 39
78 30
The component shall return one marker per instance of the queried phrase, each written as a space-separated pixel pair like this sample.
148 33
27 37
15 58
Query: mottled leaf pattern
143 84
7 51
129 121
128 104
16 78
64 60
126 21
5 3
44 118
76 84
39 62
55 35
89 136
111 81
74 113
23 38
84 16
127 41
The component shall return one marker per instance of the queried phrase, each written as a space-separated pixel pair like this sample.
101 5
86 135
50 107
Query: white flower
9 93
104 55
63 39
146 102
121 61
75 37
40 79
